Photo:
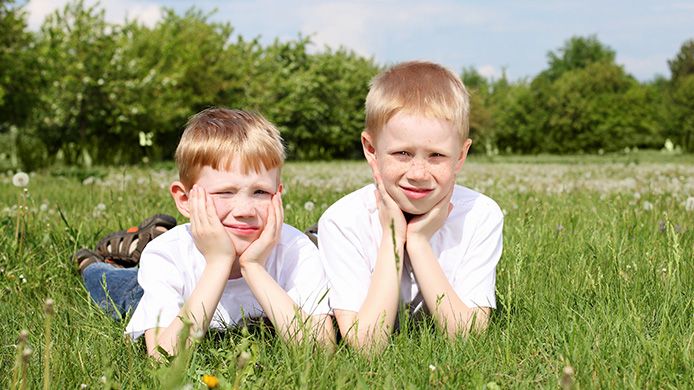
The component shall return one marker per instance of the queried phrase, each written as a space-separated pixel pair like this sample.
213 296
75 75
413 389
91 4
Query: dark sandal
116 246
86 257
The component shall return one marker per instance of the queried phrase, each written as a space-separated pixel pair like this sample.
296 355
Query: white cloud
488 71
366 26
339 24
117 12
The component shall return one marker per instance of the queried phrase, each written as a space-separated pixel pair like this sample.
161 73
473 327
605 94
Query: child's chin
414 209
242 243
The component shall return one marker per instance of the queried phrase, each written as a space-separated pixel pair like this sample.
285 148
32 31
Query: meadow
595 288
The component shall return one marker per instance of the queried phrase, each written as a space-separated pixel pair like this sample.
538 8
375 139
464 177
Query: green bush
83 90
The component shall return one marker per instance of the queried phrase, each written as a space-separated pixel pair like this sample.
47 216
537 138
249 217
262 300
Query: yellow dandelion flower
210 381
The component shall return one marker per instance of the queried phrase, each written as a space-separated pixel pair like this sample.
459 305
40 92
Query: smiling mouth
243 230
415 193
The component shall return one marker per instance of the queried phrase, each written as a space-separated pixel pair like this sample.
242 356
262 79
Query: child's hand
388 211
259 250
424 226
209 234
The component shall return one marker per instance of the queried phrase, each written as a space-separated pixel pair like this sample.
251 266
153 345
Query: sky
491 36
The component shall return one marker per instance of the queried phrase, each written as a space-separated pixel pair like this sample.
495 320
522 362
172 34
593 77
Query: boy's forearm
199 308
373 324
290 321
449 311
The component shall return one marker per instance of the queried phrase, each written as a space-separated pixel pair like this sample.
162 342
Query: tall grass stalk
48 311
19 361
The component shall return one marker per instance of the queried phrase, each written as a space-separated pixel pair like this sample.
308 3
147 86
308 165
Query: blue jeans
114 289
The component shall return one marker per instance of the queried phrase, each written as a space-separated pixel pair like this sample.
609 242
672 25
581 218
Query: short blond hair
420 88
213 137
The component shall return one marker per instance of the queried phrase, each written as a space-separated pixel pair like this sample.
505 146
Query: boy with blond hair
236 258
415 236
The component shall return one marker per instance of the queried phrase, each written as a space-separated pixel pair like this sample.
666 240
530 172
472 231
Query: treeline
584 102
82 90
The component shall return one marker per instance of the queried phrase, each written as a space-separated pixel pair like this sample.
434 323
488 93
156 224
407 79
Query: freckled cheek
391 171
222 206
261 207
444 175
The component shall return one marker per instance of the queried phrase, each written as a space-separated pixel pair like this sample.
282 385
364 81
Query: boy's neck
235 270
408 216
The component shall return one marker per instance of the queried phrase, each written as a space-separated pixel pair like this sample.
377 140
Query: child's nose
417 171
244 208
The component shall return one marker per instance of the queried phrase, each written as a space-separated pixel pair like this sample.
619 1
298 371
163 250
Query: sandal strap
120 242
116 245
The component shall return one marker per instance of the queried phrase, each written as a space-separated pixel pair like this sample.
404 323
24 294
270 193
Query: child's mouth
243 230
415 193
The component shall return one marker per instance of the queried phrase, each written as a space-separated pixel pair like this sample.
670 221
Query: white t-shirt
468 248
171 266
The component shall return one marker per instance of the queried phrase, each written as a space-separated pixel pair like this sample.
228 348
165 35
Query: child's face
418 158
241 200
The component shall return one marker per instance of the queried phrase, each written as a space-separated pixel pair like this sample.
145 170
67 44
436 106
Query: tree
481 120
583 102
321 108
75 47
682 112
18 70
683 63
577 53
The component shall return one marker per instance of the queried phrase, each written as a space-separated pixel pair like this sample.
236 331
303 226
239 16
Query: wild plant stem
47 352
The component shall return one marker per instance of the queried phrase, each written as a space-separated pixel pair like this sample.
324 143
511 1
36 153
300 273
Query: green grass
597 274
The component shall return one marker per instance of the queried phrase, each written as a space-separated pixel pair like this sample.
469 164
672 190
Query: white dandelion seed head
20 179
648 206
309 206
432 367
689 204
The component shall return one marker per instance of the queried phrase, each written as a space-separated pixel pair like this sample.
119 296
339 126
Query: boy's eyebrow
222 187
233 187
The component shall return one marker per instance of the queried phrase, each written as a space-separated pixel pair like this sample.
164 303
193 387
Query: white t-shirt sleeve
303 276
163 285
346 265
475 279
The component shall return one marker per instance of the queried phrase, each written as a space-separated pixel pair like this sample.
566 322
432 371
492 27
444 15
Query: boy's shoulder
353 205
467 202
291 236
179 234
174 243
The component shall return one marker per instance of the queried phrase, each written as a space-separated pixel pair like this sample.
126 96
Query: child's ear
463 155
180 197
368 146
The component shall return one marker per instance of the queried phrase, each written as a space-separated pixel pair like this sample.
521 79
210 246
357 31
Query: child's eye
223 194
437 155
262 193
402 154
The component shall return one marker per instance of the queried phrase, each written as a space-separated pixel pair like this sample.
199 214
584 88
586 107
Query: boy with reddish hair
236 258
